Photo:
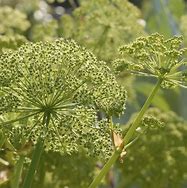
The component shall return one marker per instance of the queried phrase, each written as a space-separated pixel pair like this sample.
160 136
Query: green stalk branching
127 137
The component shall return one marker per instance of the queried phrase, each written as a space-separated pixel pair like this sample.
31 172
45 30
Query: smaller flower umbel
154 56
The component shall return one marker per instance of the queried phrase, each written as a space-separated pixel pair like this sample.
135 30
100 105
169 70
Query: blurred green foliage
103 25
158 159
13 24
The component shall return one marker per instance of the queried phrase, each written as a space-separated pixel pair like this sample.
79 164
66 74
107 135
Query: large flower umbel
154 56
54 90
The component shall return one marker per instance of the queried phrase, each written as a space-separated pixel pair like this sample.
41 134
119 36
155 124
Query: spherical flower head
62 81
154 56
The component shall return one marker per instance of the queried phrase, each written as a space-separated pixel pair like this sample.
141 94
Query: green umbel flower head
154 56
68 84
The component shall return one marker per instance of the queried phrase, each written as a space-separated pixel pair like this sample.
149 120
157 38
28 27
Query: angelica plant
151 56
51 93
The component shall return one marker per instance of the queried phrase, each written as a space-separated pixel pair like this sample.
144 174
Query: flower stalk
36 155
127 137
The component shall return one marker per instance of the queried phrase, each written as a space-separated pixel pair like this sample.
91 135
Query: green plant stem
36 156
17 173
127 137
34 164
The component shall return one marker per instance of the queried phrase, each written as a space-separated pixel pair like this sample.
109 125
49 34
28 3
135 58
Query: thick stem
127 137
36 156
135 124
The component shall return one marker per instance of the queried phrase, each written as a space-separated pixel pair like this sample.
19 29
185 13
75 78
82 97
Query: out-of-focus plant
46 31
158 158
11 41
163 16
21 5
56 176
69 140
103 25
13 24
53 1
183 27
12 21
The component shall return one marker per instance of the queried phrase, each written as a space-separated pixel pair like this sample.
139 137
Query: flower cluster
67 83
155 56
